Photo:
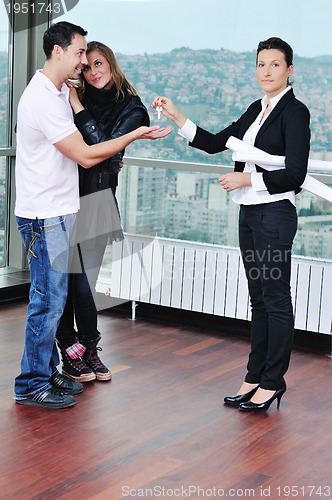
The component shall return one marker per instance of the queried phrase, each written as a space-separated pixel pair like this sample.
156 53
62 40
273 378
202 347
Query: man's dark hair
60 34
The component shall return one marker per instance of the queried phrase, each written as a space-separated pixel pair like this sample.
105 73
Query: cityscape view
213 88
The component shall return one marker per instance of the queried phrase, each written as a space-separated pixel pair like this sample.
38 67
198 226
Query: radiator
210 279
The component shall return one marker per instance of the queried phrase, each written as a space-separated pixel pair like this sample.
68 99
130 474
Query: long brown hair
118 76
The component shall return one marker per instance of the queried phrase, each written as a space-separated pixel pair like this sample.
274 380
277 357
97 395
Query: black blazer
285 132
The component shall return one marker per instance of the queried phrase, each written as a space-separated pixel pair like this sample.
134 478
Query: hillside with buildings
213 88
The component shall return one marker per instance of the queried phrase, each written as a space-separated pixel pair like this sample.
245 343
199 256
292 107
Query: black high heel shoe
260 407
237 399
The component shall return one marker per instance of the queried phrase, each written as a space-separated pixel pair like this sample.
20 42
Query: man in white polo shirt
49 147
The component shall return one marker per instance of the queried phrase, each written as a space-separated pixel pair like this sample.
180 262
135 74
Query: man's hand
154 132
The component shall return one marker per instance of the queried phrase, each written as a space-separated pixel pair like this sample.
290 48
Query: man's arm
77 150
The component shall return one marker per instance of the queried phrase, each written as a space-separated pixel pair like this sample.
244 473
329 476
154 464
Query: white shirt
257 192
46 180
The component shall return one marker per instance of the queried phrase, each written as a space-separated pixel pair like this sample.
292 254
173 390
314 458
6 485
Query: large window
21 31
202 55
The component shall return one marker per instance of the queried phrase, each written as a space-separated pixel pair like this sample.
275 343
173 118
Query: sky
153 26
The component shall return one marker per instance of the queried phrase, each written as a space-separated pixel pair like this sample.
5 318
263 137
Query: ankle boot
74 366
93 361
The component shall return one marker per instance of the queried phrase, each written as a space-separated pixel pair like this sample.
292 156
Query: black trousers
81 305
266 234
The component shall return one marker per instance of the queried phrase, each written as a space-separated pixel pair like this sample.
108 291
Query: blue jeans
48 244
266 234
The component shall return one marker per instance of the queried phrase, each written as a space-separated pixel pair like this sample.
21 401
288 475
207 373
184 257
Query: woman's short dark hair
60 34
278 44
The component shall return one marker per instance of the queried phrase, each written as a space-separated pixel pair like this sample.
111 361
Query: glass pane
210 75
4 122
313 237
192 206
3 211
4 30
176 204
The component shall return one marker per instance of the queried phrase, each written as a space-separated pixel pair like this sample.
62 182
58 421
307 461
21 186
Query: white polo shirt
46 180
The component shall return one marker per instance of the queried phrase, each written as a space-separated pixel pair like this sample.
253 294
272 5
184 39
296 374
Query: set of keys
159 110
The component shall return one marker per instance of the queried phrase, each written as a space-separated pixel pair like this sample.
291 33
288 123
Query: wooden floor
160 429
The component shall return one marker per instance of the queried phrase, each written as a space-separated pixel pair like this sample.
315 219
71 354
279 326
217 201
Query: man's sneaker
51 398
92 360
65 384
75 368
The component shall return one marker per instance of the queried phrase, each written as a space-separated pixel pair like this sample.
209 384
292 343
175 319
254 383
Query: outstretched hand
154 132
169 110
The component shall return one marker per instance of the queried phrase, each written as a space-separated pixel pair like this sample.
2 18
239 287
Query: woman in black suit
279 125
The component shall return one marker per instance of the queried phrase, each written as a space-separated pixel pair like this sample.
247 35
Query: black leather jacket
105 174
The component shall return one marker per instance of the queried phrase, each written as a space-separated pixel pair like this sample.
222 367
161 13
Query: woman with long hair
105 106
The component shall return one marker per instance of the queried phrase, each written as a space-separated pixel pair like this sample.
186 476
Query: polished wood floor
160 429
